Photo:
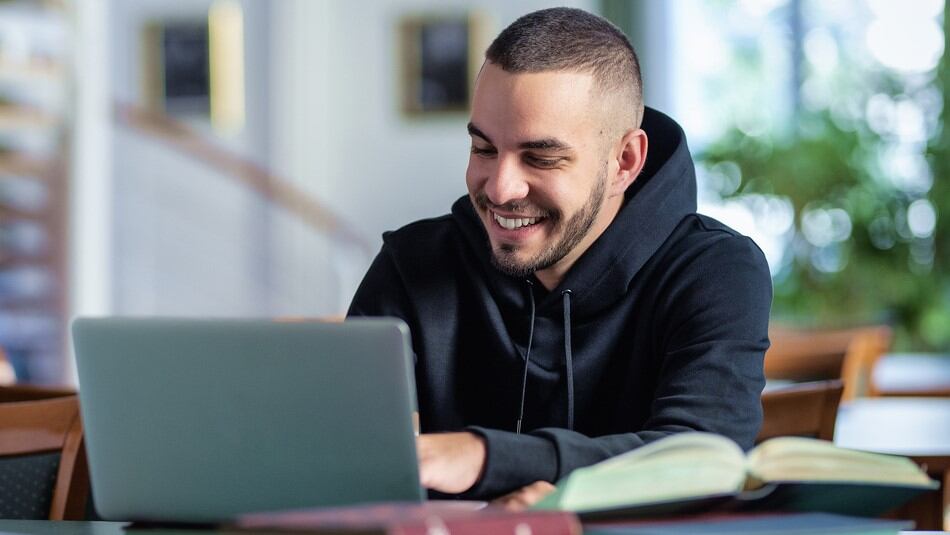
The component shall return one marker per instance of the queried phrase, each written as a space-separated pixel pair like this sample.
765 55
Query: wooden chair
41 447
810 355
804 409
16 393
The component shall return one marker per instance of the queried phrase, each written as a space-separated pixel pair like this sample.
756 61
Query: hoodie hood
656 202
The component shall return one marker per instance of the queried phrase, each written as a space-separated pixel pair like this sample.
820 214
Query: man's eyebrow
544 144
549 143
474 131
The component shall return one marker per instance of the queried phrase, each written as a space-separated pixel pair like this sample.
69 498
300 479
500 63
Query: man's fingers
450 462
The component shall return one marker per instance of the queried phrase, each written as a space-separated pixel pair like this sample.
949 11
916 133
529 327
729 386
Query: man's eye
543 163
478 151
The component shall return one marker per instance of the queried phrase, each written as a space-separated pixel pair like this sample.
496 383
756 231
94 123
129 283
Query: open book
697 471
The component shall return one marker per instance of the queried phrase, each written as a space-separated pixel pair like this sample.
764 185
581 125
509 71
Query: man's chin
510 264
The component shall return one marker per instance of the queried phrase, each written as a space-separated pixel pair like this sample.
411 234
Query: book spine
549 524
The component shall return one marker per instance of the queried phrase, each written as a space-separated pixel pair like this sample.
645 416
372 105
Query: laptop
201 420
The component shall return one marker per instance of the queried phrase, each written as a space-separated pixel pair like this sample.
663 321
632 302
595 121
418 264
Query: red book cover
431 518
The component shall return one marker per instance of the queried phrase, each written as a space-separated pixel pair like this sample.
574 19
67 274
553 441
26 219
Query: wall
336 124
186 240
322 112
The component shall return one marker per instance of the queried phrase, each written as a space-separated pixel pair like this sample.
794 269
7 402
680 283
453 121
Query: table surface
903 426
906 426
912 371
46 527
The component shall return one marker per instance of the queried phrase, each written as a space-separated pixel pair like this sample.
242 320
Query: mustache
481 200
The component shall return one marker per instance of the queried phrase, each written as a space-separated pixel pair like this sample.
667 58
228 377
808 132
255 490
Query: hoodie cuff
511 462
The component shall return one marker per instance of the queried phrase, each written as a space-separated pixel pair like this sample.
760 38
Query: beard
572 231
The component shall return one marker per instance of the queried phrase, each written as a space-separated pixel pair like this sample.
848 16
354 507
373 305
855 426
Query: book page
682 466
807 459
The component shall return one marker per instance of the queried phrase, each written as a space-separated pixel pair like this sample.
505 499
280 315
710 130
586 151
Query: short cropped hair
568 39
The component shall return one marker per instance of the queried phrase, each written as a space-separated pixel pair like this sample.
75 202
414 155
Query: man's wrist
511 462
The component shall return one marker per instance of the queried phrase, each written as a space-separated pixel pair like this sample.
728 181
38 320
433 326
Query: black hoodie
659 327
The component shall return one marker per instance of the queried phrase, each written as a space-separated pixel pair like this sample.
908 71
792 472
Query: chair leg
72 481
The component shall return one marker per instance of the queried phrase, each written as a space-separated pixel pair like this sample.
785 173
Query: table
918 428
916 374
47 527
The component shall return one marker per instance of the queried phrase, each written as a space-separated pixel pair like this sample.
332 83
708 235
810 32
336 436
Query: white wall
322 111
336 124
186 239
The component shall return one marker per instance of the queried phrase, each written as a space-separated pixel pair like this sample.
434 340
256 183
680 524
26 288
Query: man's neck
550 278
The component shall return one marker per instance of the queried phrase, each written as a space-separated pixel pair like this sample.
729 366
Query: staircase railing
280 191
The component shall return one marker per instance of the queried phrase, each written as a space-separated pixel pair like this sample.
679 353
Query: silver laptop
201 420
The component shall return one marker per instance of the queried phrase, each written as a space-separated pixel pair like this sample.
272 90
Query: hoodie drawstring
527 359
568 358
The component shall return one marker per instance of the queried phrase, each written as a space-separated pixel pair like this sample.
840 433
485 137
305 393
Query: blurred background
242 158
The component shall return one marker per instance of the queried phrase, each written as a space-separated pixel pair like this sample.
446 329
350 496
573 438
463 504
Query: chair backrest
846 354
804 409
14 393
41 447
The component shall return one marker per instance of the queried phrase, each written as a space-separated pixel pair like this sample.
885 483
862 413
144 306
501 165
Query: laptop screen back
200 420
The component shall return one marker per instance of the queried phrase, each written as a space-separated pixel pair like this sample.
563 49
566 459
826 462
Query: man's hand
525 496
450 462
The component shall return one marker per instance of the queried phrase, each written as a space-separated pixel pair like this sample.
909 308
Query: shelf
15 117
9 214
27 73
8 261
36 81
34 305
17 164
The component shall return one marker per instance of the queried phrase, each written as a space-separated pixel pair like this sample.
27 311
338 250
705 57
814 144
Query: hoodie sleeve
712 336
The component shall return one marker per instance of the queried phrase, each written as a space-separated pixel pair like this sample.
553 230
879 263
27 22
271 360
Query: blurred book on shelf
34 145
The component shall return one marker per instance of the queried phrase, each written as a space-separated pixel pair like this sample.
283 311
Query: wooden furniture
35 421
809 355
15 393
805 409
918 428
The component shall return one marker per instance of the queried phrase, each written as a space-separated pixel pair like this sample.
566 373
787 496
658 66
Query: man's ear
631 157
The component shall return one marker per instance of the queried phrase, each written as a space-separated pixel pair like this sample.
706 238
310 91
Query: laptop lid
200 420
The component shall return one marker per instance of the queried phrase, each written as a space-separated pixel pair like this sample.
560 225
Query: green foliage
877 272
936 321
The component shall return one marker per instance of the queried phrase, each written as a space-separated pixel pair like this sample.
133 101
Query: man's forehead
525 107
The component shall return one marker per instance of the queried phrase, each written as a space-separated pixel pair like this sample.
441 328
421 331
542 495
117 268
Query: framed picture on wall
177 67
194 67
439 58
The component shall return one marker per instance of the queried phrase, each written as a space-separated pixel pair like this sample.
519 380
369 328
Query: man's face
538 171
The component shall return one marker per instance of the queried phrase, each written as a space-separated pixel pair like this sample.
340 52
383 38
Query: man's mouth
512 223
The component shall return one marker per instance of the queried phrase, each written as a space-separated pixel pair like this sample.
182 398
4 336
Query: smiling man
573 305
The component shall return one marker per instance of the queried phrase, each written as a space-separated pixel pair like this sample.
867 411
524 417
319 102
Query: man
573 306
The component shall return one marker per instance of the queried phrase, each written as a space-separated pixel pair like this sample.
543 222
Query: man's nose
507 183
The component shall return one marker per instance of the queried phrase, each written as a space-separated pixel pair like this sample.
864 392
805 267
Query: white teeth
514 223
